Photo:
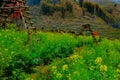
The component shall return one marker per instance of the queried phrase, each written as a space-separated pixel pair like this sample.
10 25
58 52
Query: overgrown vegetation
48 8
60 56
17 58
99 62
81 3
79 55
95 9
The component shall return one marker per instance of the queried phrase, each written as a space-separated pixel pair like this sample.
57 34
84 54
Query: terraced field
75 24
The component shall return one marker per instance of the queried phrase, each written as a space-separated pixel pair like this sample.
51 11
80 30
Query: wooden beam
14 7
3 15
27 16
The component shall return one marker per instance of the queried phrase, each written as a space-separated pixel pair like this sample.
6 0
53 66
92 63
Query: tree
32 2
81 3
55 1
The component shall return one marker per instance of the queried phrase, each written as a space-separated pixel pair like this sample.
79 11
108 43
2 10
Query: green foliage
50 9
89 61
98 62
89 6
14 55
84 40
46 8
81 3
69 6
97 10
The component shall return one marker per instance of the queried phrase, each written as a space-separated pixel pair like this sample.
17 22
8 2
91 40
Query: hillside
55 40
74 23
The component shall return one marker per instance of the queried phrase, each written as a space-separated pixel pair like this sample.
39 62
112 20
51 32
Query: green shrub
47 8
69 6
89 6
50 9
81 3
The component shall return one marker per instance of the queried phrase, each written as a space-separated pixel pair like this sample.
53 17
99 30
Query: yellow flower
64 67
74 57
98 60
118 70
28 78
54 68
58 75
103 68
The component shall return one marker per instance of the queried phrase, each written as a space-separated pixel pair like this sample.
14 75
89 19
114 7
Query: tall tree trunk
81 3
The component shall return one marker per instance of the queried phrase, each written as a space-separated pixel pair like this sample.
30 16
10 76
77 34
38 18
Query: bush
69 6
46 8
50 9
89 6
15 56
81 3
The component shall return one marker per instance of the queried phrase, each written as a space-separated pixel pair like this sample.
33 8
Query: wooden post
20 7
86 27
95 13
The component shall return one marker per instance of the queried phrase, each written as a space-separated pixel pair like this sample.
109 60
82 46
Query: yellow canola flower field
64 67
98 60
103 68
58 75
